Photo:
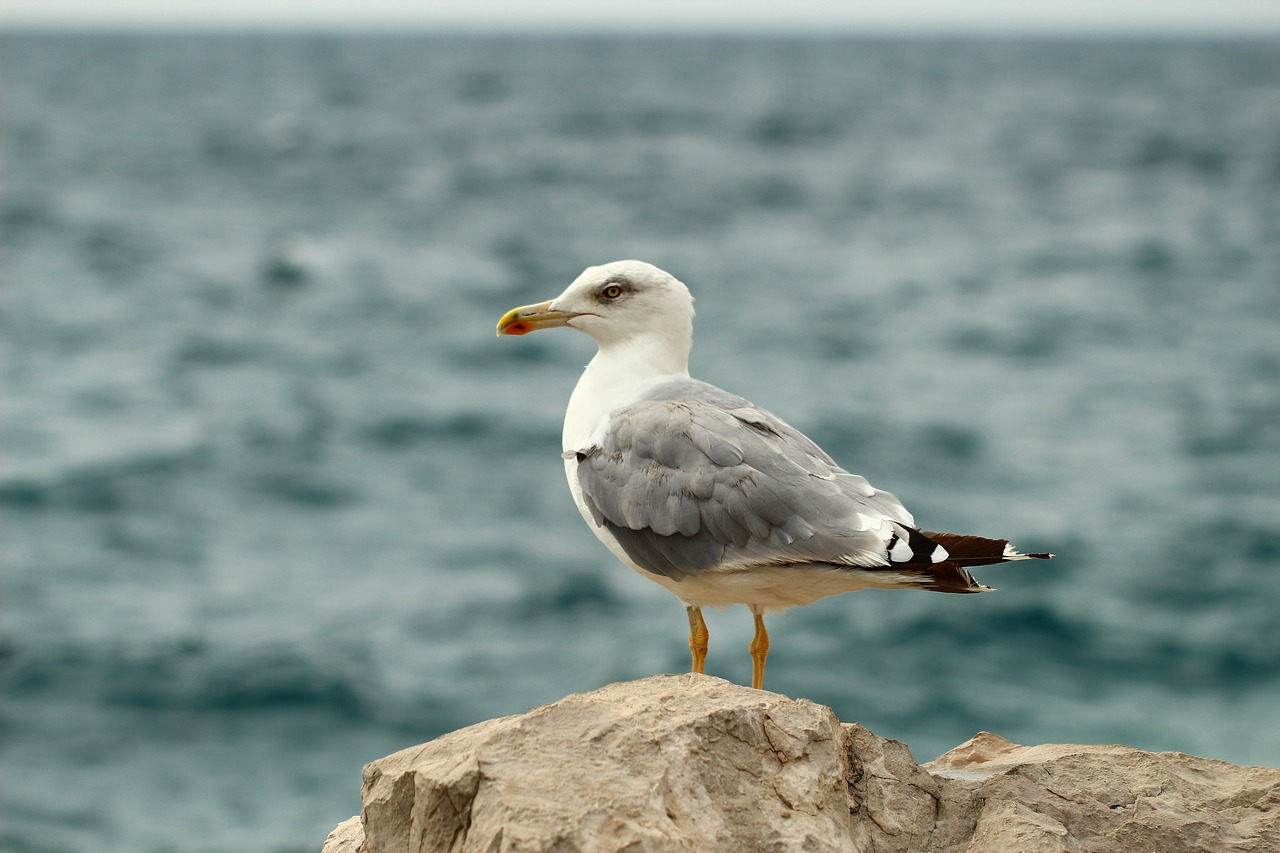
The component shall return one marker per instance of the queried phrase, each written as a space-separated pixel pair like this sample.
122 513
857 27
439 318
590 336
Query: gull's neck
620 372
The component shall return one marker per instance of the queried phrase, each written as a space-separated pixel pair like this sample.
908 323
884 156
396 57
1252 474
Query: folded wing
692 478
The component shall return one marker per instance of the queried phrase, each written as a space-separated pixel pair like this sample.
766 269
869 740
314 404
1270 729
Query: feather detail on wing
691 479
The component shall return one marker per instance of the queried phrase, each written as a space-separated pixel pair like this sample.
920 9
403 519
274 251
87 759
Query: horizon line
817 30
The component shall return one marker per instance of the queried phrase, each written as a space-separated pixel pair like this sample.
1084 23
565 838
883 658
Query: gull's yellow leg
759 651
698 637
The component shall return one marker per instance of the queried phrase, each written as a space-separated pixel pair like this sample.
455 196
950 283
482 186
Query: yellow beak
530 318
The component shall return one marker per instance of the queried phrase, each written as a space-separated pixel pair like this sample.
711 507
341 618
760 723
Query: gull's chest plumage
607 384
612 380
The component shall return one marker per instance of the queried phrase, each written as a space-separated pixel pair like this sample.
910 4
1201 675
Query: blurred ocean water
276 502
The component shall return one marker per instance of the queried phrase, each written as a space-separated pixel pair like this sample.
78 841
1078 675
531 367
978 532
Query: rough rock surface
691 762
346 837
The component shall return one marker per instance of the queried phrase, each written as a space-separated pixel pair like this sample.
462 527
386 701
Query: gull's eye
613 291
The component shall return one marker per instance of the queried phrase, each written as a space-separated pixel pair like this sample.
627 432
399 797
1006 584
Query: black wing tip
969 550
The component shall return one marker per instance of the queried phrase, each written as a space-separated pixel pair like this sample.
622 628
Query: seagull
709 495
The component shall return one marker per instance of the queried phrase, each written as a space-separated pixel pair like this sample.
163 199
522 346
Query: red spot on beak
516 329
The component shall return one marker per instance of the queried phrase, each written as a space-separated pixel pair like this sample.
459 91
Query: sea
276 502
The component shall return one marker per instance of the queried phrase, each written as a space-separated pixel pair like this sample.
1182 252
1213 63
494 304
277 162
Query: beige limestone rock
668 763
691 762
1111 799
346 837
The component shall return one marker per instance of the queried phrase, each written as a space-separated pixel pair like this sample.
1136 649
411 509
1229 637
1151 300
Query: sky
1192 17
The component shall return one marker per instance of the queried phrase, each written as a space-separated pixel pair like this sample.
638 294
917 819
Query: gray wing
692 478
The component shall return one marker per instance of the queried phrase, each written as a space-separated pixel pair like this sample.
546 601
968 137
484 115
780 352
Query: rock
691 762
1111 798
346 837
668 763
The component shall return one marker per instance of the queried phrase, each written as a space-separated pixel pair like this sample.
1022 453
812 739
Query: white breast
614 378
